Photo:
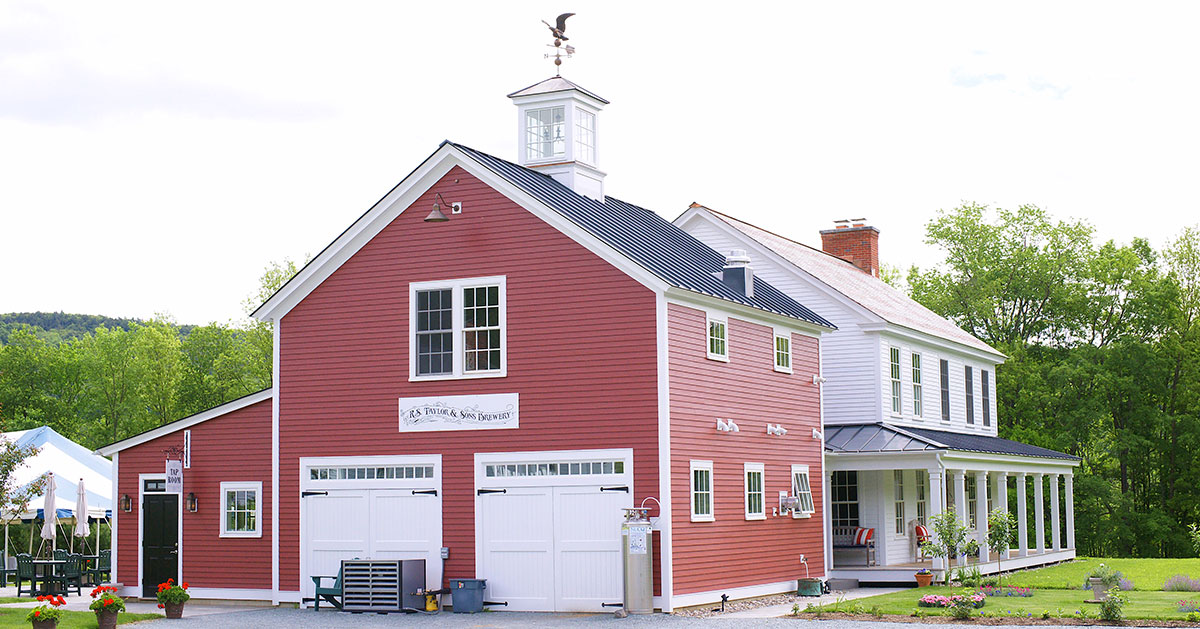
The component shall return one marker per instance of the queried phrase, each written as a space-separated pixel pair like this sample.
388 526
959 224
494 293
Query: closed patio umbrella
81 513
49 513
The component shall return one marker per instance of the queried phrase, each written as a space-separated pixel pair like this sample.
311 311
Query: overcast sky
155 157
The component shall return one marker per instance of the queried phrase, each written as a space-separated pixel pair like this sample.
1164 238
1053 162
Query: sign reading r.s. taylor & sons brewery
459 412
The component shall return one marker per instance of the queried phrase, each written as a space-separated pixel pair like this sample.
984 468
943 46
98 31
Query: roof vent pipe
737 273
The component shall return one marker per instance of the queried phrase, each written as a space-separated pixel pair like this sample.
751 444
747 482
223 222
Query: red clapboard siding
232 447
581 354
733 552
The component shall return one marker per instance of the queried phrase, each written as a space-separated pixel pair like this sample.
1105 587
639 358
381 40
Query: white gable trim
929 339
405 194
186 422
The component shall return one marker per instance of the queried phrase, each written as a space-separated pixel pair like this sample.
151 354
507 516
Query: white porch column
960 504
1070 479
1055 528
1001 500
981 514
1039 509
936 493
1022 516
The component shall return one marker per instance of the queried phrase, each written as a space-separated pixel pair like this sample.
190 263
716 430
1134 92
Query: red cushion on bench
862 536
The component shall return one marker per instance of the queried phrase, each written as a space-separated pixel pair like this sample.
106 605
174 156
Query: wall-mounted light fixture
191 502
777 429
817 434
436 215
727 425
818 379
126 503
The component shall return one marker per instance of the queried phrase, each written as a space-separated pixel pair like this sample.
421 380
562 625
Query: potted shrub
924 577
107 605
171 597
46 615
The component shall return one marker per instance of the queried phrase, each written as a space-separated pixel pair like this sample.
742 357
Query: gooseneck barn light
436 215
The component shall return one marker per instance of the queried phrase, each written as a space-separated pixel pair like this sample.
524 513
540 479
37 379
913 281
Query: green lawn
1146 574
1062 603
71 620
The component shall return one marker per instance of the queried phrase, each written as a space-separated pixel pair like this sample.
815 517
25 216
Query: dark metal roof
646 238
888 438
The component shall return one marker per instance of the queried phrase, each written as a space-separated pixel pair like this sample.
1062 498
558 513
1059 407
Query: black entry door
160 541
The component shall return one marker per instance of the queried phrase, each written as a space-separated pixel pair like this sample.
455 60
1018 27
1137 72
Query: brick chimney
855 242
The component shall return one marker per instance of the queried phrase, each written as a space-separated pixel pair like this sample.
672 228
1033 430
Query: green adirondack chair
332 595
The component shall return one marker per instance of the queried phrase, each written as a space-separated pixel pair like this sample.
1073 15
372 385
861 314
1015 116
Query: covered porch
891 479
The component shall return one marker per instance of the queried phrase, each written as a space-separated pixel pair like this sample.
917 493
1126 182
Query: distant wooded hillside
55 327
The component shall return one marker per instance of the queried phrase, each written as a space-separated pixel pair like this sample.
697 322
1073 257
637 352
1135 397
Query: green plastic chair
103 569
5 571
71 575
26 572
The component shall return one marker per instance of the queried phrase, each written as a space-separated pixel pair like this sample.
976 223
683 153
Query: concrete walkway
80 602
785 609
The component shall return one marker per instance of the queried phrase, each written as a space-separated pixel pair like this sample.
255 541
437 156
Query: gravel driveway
309 619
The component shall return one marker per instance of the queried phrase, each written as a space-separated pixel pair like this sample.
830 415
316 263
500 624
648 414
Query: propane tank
638 558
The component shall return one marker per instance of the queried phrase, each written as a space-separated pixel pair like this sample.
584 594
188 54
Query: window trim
581 115
894 371
834 502
709 320
968 371
802 513
900 513
944 374
985 386
693 467
256 486
918 385
456 286
747 470
787 338
922 479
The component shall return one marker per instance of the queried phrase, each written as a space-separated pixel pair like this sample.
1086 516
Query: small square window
718 339
241 509
783 353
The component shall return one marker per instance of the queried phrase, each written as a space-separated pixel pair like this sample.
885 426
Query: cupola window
545 133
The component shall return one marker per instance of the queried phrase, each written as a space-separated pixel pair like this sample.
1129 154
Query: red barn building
482 372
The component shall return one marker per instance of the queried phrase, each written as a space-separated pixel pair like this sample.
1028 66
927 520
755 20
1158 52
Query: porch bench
855 538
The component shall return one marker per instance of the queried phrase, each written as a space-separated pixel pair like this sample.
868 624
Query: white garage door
392 512
549 533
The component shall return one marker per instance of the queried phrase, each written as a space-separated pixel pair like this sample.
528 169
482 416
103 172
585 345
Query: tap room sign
459 412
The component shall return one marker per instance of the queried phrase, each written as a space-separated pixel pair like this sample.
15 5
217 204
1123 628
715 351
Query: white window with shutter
802 490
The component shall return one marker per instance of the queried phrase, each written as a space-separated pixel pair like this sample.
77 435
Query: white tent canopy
70 462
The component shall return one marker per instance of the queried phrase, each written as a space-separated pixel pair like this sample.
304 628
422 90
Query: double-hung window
702 491
894 354
970 376
783 352
755 505
922 480
972 508
718 338
985 381
241 509
916 384
803 492
945 375
898 478
457 329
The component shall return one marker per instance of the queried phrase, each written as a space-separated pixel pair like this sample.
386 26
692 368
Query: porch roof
886 438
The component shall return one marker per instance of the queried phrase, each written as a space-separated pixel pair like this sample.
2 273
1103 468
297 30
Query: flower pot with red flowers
171 597
107 605
46 615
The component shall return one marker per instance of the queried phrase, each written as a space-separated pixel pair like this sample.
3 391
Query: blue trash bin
466 595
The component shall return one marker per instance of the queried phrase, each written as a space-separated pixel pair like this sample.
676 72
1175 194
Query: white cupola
558 134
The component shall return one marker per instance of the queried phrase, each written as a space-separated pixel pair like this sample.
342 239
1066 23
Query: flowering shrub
1185 606
105 599
1182 583
42 612
972 600
1112 607
171 594
1008 590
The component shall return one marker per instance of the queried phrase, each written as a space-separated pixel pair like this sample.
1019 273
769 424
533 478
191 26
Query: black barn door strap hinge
424 492
480 492
305 494
623 488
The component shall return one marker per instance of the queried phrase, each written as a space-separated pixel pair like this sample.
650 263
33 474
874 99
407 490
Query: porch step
843 584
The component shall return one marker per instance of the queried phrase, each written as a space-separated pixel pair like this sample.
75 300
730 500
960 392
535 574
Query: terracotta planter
174 610
924 580
106 620
45 624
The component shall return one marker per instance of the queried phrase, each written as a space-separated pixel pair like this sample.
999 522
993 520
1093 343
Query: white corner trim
256 487
116 511
275 364
664 454
186 422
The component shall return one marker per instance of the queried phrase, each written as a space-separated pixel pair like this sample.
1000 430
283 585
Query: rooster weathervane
558 30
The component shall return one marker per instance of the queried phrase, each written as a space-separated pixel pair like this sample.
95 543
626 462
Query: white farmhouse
909 413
